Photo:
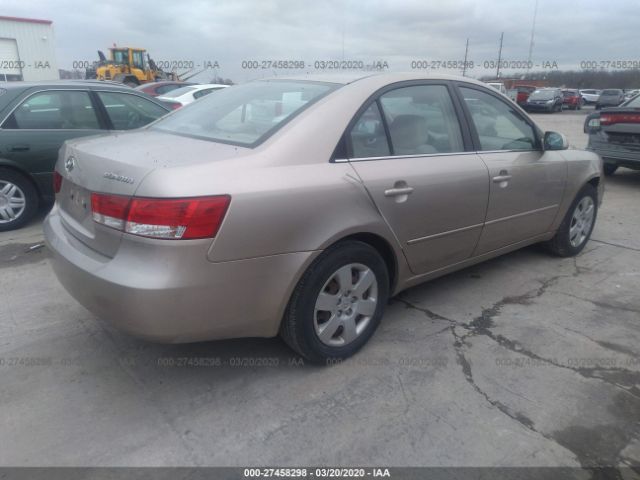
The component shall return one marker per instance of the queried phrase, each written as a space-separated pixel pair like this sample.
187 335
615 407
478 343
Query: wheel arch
13 167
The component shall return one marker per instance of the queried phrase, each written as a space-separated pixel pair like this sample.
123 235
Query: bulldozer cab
133 57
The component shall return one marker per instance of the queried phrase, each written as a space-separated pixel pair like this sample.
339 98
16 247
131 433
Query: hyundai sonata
299 206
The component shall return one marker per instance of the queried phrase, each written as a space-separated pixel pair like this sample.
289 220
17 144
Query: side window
422 120
499 125
54 110
128 111
368 138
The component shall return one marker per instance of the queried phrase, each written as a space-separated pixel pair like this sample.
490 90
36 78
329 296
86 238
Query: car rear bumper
164 294
616 154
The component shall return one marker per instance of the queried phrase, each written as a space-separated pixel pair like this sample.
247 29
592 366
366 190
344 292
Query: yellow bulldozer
131 66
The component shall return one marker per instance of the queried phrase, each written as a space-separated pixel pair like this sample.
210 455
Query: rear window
245 115
542 95
179 92
610 92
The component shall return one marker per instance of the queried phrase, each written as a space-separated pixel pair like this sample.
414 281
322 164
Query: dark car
156 89
611 97
545 100
36 119
572 99
614 133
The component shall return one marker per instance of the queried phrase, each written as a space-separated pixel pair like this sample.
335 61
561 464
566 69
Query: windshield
542 95
244 114
634 102
178 92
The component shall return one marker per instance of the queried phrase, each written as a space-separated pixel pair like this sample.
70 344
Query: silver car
299 206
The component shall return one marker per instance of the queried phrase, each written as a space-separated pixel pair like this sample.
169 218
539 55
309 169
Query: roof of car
351 77
64 83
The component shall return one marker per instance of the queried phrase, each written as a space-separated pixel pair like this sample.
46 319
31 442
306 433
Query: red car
155 89
523 93
572 99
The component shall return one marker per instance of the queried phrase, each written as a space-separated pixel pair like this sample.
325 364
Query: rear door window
368 138
54 110
422 120
127 111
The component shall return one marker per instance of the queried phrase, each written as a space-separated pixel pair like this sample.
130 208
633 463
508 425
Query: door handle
394 192
501 178
20 148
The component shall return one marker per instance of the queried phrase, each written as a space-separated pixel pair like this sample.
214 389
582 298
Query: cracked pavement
525 360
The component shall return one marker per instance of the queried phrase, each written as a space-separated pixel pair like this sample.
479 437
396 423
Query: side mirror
555 141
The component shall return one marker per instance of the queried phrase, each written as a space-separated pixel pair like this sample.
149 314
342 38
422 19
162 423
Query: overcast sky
394 31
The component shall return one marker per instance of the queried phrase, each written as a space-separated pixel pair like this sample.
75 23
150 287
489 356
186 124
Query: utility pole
466 51
533 32
499 55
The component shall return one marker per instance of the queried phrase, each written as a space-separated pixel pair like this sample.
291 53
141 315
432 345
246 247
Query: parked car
545 100
590 95
614 134
572 99
299 206
155 89
629 94
499 86
36 119
523 92
184 95
611 97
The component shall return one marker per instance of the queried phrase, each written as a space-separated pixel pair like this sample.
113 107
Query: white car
590 96
498 86
184 95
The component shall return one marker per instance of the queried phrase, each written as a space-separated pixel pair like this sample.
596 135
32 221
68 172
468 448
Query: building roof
26 20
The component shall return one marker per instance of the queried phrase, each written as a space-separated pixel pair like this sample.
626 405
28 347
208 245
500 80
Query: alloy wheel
12 202
581 221
345 305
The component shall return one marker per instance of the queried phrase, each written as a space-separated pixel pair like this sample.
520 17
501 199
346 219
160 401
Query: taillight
173 105
57 182
612 118
171 218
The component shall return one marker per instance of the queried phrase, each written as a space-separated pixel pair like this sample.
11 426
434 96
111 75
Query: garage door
9 59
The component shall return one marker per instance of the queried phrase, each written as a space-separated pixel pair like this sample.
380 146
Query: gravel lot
526 360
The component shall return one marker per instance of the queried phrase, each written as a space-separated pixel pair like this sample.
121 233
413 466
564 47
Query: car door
127 111
527 183
410 151
32 134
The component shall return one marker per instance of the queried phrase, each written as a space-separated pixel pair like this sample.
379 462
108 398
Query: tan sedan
299 206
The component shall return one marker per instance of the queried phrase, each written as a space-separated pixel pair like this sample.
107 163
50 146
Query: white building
27 50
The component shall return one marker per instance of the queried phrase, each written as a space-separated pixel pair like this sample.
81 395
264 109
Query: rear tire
18 200
609 168
338 303
576 227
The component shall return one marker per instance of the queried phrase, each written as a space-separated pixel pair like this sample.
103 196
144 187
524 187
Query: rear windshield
542 95
610 92
244 115
634 102
178 92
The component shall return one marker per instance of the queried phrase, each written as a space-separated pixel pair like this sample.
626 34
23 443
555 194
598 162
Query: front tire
576 227
18 200
338 303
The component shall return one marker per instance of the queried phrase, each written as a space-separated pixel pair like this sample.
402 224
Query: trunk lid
117 164
621 127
